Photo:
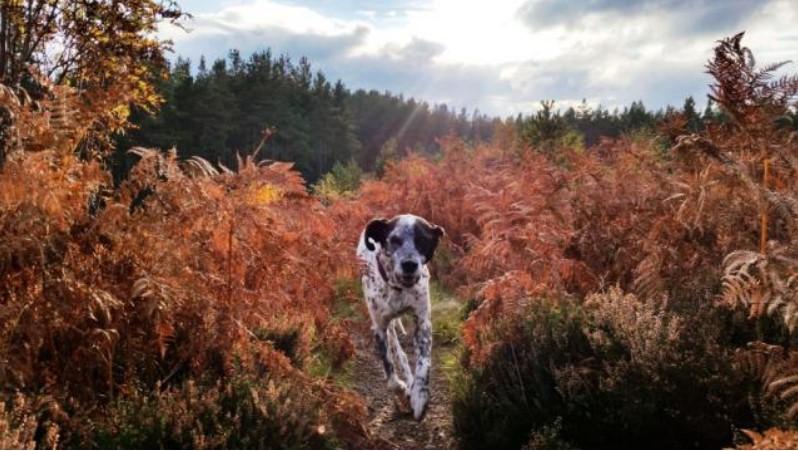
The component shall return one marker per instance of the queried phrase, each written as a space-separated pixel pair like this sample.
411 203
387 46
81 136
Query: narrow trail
385 422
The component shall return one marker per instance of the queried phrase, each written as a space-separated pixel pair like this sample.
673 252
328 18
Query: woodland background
216 112
627 279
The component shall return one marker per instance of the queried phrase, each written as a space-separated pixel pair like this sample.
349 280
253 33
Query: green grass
320 364
447 315
447 320
348 301
346 307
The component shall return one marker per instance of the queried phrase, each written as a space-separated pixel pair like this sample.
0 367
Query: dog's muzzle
408 280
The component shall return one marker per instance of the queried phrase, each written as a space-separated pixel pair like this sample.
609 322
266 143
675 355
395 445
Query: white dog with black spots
394 255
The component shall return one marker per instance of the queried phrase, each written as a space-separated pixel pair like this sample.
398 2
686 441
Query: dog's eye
396 241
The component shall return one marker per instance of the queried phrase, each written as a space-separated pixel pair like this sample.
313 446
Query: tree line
220 111
583 126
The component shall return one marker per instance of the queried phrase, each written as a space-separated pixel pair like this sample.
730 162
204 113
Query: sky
500 56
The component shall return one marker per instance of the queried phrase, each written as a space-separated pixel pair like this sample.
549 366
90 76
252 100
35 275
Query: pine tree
693 119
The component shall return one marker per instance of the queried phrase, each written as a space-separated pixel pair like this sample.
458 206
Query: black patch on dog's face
426 237
378 230
407 243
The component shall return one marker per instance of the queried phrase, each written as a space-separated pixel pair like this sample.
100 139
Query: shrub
614 372
177 275
31 422
548 132
18 425
342 181
245 412
501 402
548 437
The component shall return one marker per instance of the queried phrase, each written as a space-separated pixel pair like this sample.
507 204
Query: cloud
261 24
505 57
341 49
417 50
217 39
454 84
679 16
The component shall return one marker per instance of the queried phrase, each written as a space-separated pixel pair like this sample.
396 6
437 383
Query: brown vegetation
185 275
628 295
643 232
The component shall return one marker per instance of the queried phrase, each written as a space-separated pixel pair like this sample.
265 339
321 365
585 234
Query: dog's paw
402 403
419 398
398 386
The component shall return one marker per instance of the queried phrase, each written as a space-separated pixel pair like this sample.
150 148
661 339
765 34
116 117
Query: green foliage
447 316
573 140
342 181
347 301
546 129
690 114
500 403
389 152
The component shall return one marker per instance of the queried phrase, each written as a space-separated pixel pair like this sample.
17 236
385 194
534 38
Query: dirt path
401 431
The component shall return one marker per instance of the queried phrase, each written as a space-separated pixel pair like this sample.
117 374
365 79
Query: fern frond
648 283
201 167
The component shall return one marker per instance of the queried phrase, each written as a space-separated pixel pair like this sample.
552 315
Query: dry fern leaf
786 388
742 281
771 439
760 361
200 167
648 282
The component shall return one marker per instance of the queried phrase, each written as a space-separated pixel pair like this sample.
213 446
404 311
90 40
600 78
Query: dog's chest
390 301
401 300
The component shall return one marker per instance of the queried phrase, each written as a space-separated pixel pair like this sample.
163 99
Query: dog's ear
378 230
426 237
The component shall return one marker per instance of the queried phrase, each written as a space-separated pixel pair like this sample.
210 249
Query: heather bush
614 371
548 437
243 412
20 426
499 403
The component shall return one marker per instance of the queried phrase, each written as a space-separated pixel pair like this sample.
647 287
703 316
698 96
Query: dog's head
407 243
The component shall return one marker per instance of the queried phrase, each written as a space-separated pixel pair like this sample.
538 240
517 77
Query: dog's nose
409 266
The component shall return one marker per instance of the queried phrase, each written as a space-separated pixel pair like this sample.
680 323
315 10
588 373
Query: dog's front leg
382 343
397 354
419 392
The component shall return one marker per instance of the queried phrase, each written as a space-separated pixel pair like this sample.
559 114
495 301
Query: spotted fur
394 255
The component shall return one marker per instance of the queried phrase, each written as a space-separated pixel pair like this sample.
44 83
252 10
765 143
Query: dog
394 255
